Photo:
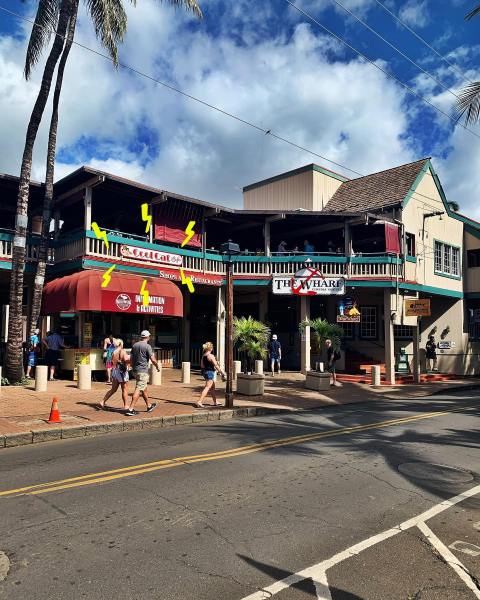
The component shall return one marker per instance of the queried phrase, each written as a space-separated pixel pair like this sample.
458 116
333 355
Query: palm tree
468 104
453 206
110 22
323 330
252 338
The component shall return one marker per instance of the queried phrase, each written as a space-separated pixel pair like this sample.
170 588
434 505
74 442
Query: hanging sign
155 256
124 302
417 308
347 311
308 282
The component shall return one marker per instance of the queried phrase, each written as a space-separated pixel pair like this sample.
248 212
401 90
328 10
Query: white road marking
318 572
466 548
450 559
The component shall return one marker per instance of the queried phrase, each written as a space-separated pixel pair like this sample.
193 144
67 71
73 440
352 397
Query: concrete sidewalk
24 412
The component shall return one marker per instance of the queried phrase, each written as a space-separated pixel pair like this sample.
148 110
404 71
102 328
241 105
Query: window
446 259
473 258
348 330
368 323
403 332
410 244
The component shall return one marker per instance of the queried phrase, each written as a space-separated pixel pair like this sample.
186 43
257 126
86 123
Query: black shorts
51 357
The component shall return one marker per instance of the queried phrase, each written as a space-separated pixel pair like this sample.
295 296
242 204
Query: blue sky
268 64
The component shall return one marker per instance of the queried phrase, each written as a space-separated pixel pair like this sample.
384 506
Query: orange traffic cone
54 413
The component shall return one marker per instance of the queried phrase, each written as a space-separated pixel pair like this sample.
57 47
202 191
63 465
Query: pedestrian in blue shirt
275 351
33 347
308 247
53 343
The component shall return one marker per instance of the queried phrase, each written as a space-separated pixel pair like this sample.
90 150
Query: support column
266 235
186 328
416 352
56 224
305 336
220 350
389 343
348 239
88 208
263 305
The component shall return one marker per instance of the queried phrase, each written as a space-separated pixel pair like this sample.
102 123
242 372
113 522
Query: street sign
417 308
347 311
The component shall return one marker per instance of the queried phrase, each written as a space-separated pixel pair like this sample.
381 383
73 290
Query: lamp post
229 249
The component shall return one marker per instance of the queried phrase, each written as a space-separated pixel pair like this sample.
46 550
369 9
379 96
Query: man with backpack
332 357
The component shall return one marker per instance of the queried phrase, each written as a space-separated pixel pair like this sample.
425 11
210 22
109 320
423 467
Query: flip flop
199 407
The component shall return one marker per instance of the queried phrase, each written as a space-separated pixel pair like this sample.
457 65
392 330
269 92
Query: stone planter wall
250 385
317 381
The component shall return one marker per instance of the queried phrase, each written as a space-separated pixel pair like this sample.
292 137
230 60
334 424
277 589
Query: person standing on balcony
53 343
282 247
109 347
308 247
431 353
141 355
275 351
33 349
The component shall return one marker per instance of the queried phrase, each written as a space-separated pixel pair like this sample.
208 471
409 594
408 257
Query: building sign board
347 311
150 255
445 345
418 308
123 302
308 282
198 278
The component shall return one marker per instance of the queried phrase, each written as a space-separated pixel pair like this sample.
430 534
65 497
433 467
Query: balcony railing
335 265
33 242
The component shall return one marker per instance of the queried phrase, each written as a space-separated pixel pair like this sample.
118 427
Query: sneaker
151 407
131 413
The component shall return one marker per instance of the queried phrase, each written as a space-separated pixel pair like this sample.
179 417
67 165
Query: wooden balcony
121 250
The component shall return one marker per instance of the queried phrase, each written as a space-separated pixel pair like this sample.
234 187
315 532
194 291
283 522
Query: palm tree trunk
50 173
13 361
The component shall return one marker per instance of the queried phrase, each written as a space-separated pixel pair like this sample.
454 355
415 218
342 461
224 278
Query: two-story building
375 240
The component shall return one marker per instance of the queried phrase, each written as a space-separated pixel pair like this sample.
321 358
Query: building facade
376 240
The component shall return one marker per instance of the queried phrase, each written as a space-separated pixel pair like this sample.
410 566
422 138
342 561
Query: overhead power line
410 60
377 66
424 41
207 104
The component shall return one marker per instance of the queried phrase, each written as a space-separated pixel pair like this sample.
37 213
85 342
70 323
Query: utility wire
410 60
384 71
424 41
208 105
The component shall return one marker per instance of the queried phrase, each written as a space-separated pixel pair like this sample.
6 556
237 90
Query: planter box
250 385
317 381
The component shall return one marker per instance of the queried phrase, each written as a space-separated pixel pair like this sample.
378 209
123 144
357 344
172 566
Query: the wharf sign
150 255
308 282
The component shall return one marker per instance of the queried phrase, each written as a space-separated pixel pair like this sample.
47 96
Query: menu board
81 357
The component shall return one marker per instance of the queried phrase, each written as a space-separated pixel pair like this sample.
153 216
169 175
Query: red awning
83 291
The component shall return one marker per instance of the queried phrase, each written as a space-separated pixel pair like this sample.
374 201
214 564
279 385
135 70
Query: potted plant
251 337
322 330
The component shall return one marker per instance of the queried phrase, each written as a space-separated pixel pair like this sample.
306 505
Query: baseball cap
274 336
145 333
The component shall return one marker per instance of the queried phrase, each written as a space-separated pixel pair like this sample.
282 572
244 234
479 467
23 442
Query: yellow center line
113 474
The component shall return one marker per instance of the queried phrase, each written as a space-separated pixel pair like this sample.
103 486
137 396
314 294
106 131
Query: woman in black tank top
209 365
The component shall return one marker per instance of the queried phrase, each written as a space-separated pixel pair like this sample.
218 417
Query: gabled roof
379 190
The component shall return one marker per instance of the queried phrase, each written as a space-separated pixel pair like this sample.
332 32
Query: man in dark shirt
140 357
332 357
275 350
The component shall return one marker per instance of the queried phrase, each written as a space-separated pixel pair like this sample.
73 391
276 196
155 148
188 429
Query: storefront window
403 332
368 323
447 259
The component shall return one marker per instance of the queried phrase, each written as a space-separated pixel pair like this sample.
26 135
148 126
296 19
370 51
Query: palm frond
191 5
468 104
247 330
472 13
323 330
110 23
45 24
454 205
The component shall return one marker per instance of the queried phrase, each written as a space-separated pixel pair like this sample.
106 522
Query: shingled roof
376 191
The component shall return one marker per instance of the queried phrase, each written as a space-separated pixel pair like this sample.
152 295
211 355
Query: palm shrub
251 337
323 330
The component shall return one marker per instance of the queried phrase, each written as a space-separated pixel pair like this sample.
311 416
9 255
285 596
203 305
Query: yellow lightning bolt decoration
144 293
107 277
146 217
189 233
186 280
100 233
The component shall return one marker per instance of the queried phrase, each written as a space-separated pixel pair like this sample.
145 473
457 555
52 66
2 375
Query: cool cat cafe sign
315 285
155 256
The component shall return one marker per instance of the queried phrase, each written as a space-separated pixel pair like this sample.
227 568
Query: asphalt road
285 504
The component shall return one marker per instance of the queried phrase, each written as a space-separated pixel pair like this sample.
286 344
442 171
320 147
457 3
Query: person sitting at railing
296 249
308 247
282 247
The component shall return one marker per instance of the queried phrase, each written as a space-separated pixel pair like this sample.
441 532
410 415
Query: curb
459 388
11 440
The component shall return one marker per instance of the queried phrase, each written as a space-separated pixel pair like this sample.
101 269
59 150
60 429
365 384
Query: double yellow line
111 475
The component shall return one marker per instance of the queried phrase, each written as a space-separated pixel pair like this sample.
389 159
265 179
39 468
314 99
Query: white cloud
415 13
